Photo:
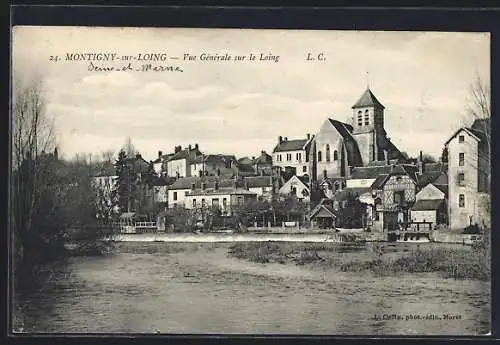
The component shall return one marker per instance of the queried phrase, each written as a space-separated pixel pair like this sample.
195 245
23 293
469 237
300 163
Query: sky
241 107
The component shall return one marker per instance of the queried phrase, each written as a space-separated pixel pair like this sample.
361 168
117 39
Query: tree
427 158
32 135
122 188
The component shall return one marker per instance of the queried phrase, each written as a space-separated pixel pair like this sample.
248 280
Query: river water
197 288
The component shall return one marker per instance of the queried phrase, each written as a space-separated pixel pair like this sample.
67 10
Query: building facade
469 176
293 155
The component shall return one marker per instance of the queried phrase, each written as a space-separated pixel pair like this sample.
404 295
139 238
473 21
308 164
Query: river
197 288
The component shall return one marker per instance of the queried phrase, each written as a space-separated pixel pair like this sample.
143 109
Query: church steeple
367 99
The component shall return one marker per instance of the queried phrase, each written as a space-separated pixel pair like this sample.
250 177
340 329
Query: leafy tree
124 183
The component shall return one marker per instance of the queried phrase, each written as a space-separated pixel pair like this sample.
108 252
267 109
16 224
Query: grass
452 262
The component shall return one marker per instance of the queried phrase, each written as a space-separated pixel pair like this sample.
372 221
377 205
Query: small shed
323 216
430 211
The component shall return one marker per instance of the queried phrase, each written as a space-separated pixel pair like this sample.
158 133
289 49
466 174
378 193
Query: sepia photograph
249 181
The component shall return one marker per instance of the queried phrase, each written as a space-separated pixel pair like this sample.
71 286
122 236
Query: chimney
253 158
308 136
138 156
193 186
177 149
160 154
280 139
196 146
420 163
189 148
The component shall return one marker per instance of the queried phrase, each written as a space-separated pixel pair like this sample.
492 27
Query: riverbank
457 263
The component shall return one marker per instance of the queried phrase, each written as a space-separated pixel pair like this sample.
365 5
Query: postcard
250 181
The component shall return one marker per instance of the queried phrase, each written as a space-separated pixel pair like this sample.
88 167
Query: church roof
352 149
367 99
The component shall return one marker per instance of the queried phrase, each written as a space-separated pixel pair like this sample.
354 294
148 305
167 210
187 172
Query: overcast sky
242 107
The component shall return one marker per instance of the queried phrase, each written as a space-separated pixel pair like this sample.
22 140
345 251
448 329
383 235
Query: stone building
469 175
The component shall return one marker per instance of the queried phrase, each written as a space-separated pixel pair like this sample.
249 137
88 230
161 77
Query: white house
179 165
468 151
430 205
225 198
296 187
293 154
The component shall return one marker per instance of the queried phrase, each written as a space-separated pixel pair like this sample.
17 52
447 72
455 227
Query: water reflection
148 288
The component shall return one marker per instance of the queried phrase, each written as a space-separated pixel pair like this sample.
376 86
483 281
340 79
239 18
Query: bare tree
107 156
129 147
32 136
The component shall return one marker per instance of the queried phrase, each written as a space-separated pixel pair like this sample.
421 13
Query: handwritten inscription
166 61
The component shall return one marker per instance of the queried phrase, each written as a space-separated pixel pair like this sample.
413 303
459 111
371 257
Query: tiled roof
353 154
346 192
379 181
367 99
427 205
442 187
427 177
258 181
245 160
186 182
325 206
369 172
190 155
290 145
223 190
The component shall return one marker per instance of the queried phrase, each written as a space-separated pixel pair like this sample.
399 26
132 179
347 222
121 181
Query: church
339 147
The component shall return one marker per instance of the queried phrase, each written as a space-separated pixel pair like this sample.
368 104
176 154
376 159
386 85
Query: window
461 200
461 179
377 215
319 156
202 202
288 156
367 118
360 118
294 190
461 159
215 202
304 168
240 201
335 155
327 155
175 196
194 203
224 202
399 196
461 138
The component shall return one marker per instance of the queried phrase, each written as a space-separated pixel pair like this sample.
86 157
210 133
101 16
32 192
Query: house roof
186 182
323 210
479 135
291 145
220 191
264 158
245 160
188 154
351 146
343 194
427 177
258 181
163 158
427 205
370 172
367 99
379 181
163 181
442 187
214 158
